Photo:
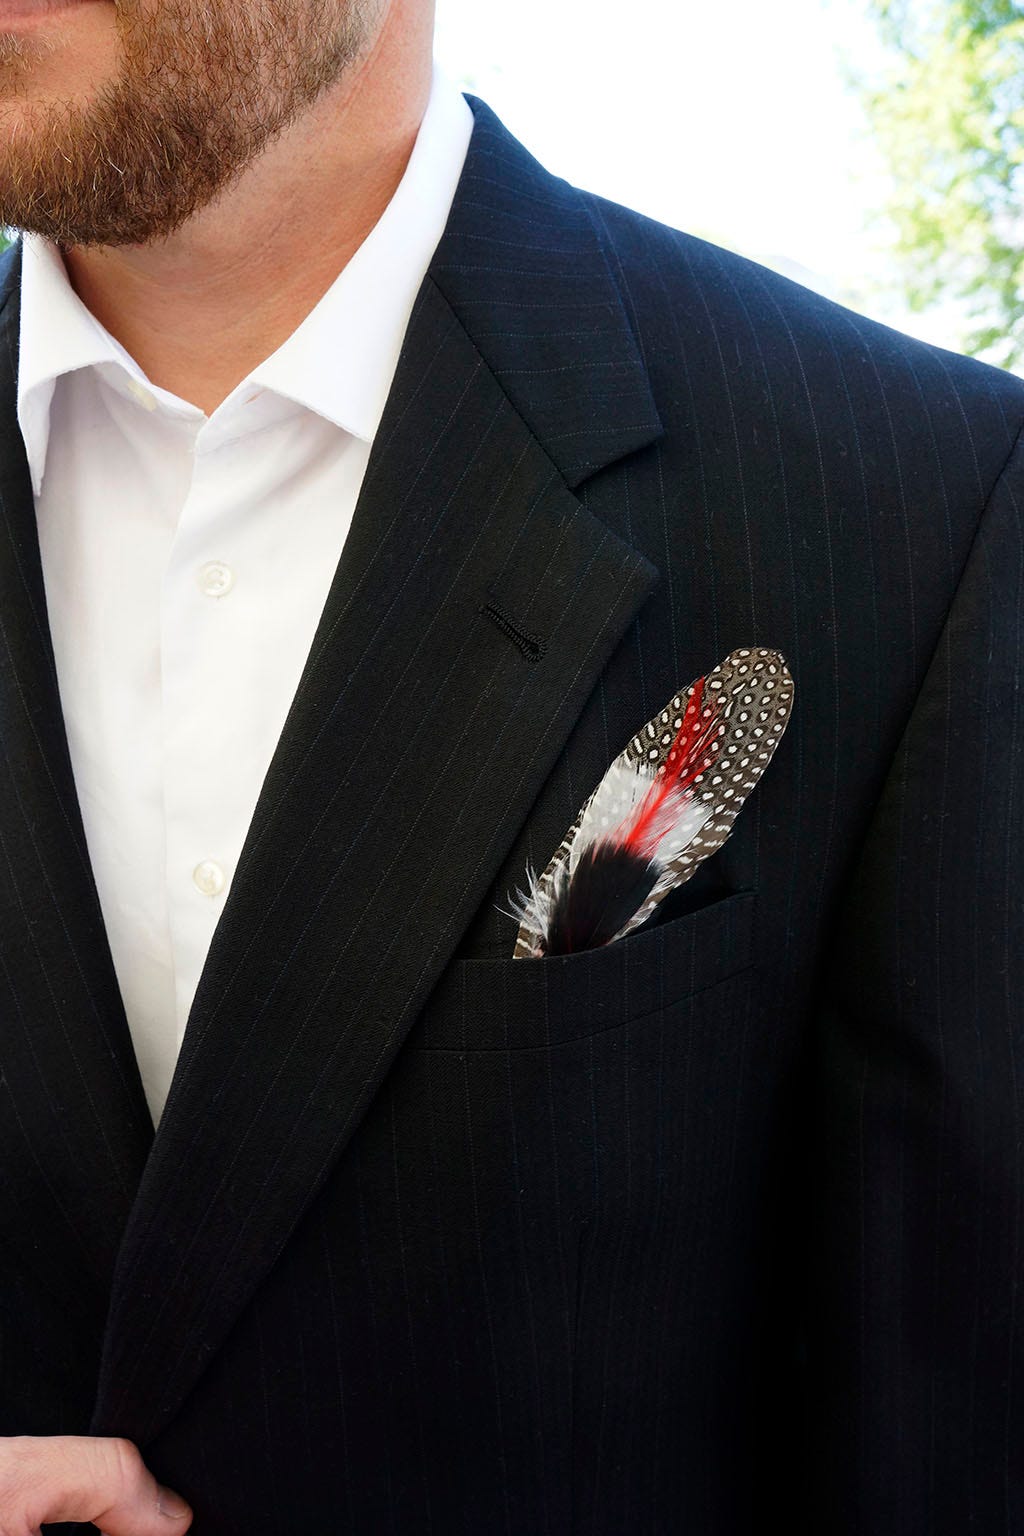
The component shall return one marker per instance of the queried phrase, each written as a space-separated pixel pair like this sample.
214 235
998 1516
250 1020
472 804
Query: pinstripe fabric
74 1126
721 1221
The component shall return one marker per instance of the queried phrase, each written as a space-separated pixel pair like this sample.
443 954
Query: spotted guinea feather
669 800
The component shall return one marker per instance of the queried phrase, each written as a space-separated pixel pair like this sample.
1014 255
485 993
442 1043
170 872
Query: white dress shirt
186 561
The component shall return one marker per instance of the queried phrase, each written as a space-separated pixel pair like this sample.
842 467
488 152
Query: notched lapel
420 734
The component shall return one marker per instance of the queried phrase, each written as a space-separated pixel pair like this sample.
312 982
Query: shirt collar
341 359
57 335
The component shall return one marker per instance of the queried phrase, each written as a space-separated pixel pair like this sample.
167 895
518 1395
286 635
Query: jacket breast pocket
506 1004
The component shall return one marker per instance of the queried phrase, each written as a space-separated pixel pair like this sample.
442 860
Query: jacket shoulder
679 286
608 319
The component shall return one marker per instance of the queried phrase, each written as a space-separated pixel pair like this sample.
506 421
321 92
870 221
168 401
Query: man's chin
69 226
92 187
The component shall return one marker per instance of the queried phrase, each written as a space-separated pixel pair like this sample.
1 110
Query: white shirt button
215 578
142 394
209 878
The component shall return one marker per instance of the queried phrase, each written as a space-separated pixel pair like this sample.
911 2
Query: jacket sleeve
915 1313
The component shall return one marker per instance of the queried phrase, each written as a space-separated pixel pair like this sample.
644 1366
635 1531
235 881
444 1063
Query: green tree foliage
949 115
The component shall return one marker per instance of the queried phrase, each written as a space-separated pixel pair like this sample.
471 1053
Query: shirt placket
199 619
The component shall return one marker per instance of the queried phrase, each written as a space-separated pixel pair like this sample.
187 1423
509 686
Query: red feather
656 812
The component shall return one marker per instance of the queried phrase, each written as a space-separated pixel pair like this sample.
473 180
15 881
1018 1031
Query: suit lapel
74 1125
524 268
472 612
419 736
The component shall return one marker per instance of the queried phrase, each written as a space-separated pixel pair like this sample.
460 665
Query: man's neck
201 309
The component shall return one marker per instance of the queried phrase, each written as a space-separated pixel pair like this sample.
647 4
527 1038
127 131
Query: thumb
86 1477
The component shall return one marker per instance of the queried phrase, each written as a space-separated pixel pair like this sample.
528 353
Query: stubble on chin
198 88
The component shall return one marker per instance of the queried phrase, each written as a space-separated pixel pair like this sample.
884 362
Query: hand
83 1477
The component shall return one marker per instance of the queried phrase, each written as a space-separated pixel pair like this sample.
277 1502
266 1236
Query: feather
666 803
609 883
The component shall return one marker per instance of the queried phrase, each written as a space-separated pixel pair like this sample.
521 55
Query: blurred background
872 149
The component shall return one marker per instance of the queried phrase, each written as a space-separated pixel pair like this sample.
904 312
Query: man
320 1210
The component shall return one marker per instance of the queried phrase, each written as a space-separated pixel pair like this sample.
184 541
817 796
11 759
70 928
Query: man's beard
203 86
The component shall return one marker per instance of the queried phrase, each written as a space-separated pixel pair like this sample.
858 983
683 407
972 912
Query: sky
735 121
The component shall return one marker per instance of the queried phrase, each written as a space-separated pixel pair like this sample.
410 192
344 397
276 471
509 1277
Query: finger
85 1477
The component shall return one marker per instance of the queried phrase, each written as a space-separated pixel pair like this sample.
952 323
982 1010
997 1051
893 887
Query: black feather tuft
607 888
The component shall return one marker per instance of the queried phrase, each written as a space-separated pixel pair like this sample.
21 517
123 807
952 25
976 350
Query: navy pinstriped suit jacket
718 1225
